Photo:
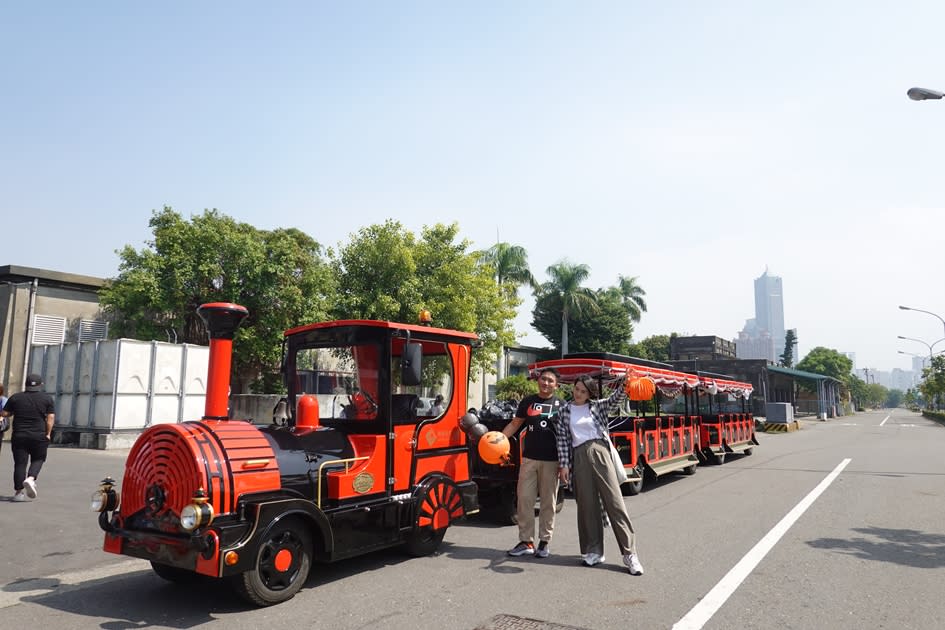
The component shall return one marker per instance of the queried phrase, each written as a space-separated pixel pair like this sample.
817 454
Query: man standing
538 473
33 418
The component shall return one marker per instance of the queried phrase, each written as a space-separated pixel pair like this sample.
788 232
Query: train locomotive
360 463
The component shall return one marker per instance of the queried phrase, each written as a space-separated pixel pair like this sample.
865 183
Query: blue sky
690 144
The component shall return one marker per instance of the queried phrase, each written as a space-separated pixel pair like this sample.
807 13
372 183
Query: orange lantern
641 388
494 447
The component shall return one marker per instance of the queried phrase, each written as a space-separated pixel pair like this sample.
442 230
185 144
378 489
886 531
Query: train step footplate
670 465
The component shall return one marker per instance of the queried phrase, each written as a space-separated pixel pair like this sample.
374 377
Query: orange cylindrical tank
308 414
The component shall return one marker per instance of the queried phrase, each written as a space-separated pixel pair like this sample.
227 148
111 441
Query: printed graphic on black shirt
539 429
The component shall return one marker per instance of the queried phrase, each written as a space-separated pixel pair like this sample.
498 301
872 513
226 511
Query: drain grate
511 622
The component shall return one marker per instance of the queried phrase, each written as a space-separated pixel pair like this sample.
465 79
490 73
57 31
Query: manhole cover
511 622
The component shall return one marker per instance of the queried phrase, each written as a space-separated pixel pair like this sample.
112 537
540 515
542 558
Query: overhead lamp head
924 94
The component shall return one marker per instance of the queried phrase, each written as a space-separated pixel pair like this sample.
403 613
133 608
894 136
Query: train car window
432 396
344 379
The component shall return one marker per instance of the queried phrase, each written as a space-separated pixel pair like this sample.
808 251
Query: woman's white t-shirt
583 427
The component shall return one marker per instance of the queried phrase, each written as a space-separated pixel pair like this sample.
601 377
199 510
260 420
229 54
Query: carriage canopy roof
606 367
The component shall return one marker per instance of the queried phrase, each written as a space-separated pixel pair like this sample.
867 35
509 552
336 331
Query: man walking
33 418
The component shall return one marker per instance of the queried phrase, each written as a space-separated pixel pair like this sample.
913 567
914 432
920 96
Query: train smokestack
222 319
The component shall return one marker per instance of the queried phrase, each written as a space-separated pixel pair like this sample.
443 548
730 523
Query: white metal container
123 384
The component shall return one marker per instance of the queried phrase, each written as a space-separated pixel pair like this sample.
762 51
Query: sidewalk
57 532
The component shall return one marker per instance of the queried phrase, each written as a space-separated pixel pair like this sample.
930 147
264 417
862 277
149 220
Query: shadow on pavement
900 546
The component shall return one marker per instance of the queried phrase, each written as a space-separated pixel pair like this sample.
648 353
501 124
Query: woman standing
584 460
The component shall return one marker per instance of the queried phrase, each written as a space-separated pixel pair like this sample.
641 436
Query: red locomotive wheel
282 566
440 504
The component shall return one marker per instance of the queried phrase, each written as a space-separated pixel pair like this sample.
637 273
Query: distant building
38 307
852 357
705 348
901 379
754 344
763 336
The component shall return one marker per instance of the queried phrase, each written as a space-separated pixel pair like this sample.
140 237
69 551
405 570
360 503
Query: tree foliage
509 264
278 276
515 387
933 383
566 287
654 348
790 338
631 296
603 319
608 329
828 362
386 272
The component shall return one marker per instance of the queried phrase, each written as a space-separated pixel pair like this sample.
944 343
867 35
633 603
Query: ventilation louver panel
48 329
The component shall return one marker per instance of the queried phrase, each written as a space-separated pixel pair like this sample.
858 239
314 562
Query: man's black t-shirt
539 426
29 411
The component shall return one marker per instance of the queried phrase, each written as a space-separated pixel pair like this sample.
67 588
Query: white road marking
884 421
11 594
710 604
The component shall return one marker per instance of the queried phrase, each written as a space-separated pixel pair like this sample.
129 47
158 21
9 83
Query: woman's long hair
591 385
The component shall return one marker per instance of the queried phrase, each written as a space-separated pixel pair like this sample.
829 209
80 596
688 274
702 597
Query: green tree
278 276
858 390
911 399
515 387
894 398
565 283
631 295
509 264
608 329
790 338
876 395
933 383
654 348
386 272
828 362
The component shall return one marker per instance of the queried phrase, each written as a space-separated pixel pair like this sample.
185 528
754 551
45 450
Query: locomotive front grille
169 463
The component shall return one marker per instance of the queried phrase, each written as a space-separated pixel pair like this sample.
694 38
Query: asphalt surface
867 551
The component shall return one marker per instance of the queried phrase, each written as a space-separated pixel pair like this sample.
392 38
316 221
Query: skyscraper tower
769 310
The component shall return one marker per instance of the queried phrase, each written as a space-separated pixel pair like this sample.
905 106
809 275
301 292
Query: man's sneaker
590 559
29 485
20 496
542 551
522 549
633 563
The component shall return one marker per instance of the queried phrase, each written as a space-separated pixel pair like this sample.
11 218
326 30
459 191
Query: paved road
794 536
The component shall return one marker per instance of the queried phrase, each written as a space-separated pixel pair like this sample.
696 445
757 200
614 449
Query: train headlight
106 498
197 514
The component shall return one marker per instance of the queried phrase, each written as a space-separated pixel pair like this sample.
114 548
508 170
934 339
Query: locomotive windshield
357 376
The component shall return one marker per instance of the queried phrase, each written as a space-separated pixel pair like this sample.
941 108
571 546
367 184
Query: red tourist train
362 462
694 420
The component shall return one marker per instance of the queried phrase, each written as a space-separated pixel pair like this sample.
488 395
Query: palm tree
565 283
510 263
632 296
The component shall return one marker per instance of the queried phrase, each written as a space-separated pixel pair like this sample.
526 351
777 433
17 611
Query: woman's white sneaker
633 564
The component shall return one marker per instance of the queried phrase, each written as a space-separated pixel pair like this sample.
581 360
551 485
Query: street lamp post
924 343
919 310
